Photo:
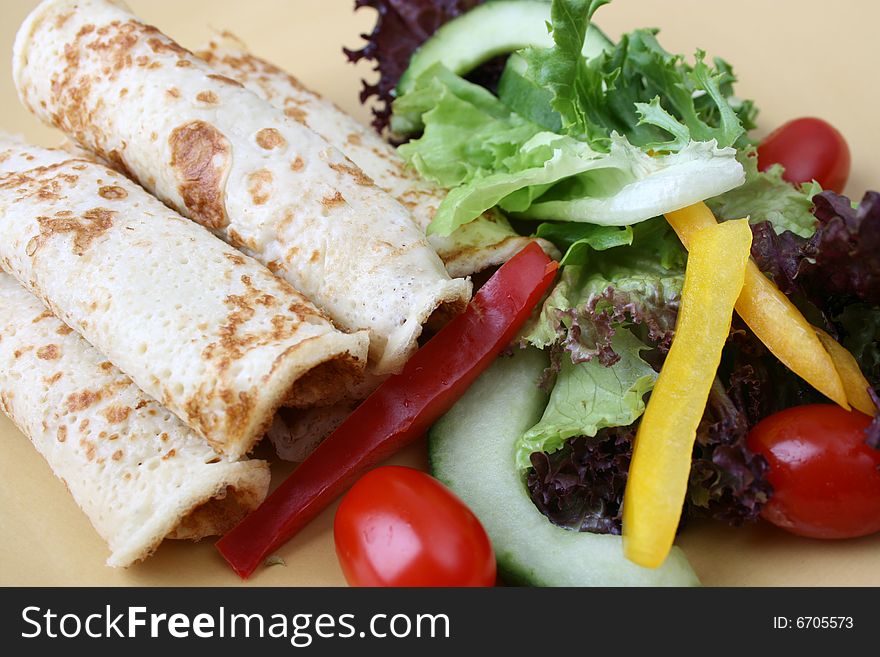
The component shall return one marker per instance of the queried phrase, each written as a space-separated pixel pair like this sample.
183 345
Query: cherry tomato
809 149
826 480
401 527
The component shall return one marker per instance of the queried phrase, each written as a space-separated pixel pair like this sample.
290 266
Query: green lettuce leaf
468 132
765 196
561 69
589 396
628 185
638 89
577 241
618 188
490 156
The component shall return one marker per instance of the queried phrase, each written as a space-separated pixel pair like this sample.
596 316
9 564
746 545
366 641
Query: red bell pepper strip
399 411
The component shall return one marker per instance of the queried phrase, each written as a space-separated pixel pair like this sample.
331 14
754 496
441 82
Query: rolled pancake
483 243
229 160
207 331
136 471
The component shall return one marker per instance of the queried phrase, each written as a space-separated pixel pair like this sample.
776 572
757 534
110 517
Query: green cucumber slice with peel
486 31
471 450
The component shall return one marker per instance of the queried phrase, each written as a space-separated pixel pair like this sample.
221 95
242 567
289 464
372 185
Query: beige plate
796 57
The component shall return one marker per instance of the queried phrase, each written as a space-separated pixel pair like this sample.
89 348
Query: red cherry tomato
809 149
400 527
826 480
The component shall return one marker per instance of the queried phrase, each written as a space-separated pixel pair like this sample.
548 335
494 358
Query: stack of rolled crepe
201 327
209 332
138 473
226 158
196 324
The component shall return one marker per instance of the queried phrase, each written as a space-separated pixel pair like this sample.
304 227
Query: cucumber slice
471 450
488 30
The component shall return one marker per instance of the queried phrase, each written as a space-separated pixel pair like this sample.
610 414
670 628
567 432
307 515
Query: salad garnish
564 142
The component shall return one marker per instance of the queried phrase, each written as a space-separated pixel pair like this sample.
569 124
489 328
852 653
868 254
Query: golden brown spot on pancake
117 455
225 80
355 172
183 63
153 136
142 61
354 139
85 29
171 453
260 185
286 220
207 55
114 157
141 404
47 183
62 433
270 138
80 401
155 65
6 401
49 352
174 92
314 257
200 156
274 266
159 45
46 314
84 229
52 380
296 84
116 413
117 49
208 97
297 164
123 92
333 201
235 258
61 19
112 192
89 446
64 329
237 240
297 114
84 425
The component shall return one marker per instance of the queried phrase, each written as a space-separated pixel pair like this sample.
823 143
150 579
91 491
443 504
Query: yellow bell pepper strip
661 461
854 382
772 317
